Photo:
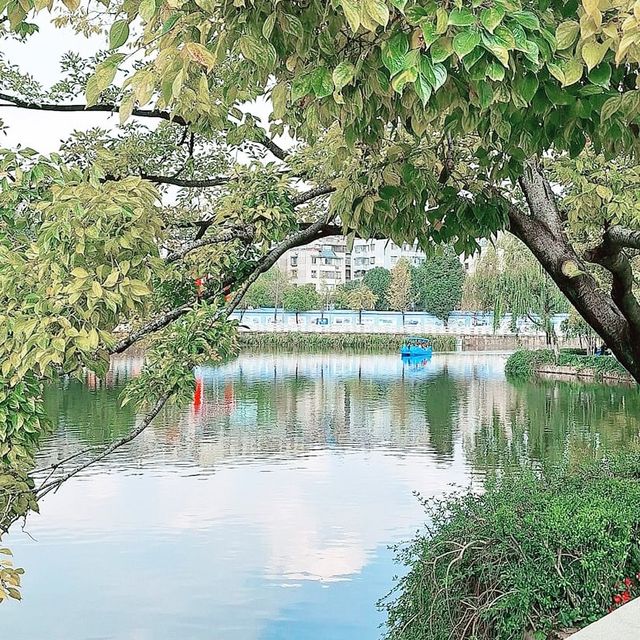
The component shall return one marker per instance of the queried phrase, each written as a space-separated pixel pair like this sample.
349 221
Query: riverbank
545 363
299 340
537 555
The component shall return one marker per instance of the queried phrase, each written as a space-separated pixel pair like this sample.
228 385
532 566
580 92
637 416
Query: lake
265 510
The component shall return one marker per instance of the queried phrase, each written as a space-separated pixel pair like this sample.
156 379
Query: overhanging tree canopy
424 120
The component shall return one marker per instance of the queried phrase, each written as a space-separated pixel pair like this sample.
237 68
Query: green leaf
527 19
343 74
440 73
441 50
601 75
351 10
399 4
525 87
556 72
496 71
301 87
429 34
377 11
423 89
269 24
442 20
465 42
252 48
572 70
394 51
118 34
485 94
426 70
321 82
461 18
566 34
610 107
593 53
491 18
147 10
279 100
407 76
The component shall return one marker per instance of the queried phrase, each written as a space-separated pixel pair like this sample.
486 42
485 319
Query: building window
314 274
294 261
372 260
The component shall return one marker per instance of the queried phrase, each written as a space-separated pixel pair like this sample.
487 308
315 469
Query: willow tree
508 279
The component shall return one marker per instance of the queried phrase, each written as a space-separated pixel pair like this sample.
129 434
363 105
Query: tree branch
275 149
235 233
146 421
187 182
623 237
301 198
319 229
67 108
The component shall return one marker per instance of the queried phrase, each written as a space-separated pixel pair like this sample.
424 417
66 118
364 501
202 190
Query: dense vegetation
380 342
536 553
523 363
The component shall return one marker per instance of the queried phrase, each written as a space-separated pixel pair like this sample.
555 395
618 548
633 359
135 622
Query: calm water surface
265 510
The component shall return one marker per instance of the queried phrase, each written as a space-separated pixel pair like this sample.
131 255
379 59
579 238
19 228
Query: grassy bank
534 555
382 342
524 364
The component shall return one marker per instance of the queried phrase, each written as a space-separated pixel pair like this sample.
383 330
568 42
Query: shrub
305 341
533 553
522 364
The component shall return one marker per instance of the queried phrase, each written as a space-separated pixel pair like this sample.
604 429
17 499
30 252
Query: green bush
522 364
534 553
304 341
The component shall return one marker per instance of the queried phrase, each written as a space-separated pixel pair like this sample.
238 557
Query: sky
40 56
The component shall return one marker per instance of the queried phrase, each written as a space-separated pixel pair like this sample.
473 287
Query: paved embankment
622 624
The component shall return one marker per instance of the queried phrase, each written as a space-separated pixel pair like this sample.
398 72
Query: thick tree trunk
543 232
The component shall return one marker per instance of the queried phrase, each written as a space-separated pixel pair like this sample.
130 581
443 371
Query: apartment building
327 264
324 263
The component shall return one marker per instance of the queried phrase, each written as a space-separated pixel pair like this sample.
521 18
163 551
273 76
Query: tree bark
542 230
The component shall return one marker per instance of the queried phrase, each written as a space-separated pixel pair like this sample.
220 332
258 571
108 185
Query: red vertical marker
197 396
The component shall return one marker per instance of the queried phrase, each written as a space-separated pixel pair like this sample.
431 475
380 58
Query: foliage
523 363
340 297
268 289
438 284
508 279
532 553
400 290
378 280
302 341
575 327
300 298
361 298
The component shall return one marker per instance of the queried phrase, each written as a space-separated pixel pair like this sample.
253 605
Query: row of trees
435 286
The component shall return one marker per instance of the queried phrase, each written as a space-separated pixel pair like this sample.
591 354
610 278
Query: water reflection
264 509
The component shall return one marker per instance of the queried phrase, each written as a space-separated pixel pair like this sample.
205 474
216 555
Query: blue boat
416 347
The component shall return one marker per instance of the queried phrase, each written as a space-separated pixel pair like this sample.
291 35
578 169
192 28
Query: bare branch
235 233
271 146
146 421
187 182
301 198
319 229
67 108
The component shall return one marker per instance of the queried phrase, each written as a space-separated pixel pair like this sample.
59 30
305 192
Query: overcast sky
40 56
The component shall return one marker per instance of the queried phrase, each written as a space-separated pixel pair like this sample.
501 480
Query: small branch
146 421
301 198
271 146
67 108
187 182
236 233
314 231
449 163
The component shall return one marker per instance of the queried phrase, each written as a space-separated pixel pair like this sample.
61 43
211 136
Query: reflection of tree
440 399
93 416
549 421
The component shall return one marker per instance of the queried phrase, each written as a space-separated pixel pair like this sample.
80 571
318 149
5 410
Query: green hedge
535 553
386 342
523 363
